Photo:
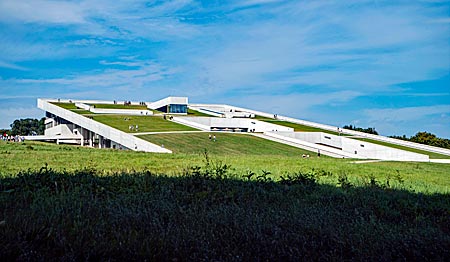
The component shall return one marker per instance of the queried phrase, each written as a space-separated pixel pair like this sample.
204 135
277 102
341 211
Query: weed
343 181
264 177
299 178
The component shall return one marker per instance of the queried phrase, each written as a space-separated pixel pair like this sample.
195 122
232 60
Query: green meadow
145 123
120 106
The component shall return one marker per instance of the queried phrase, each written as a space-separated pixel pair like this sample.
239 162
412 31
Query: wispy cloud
12 66
41 11
141 74
281 54
406 114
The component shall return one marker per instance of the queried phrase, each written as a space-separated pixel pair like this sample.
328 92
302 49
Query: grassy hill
145 123
225 144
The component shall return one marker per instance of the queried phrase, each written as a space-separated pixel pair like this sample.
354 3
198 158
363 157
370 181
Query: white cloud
12 66
11 114
135 78
406 114
41 11
256 2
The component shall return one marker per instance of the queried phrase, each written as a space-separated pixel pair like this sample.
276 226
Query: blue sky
382 64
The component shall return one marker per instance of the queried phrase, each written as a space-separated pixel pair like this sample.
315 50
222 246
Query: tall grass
207 212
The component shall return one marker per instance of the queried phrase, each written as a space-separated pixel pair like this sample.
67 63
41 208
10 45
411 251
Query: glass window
177 108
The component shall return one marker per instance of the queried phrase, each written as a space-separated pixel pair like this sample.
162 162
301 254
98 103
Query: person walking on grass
214 138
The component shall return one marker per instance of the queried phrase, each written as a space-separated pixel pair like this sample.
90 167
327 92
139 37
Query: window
177 108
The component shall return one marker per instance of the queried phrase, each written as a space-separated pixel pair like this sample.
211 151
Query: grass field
74 203
145 123
119 106
418 177
225 144
69 106
196 113
297 127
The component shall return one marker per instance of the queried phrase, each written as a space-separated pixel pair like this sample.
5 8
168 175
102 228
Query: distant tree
28 127
369 130
426 139
3 131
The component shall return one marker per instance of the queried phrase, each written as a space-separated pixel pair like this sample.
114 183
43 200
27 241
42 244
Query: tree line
369 130
426 139
25 127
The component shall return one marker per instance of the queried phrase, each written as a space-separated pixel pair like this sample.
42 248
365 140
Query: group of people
213 137
133 128
307 155
10 138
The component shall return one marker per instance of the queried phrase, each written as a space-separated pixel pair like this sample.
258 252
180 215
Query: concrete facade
95 133
94 110
347 147
65 126
230 124
433 149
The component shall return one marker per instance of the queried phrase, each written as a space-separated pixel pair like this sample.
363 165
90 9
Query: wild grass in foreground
206 213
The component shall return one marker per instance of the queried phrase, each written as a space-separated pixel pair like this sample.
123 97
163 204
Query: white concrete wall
223 111
206 123
374 151
121 111
317 138
108 132
167 101
290 137
94 110
62 130
108 102
201 123
351 147
434 149
208 112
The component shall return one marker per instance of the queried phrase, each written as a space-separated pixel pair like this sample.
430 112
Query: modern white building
66 126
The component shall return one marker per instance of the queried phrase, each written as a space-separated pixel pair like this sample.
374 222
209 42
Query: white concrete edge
136 112
190 123
323 149
106 131
335 128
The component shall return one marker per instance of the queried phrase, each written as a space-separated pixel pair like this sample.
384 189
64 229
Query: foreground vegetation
208 212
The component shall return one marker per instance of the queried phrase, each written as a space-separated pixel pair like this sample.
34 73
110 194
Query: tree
3 131
426 139
28 127
369 130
